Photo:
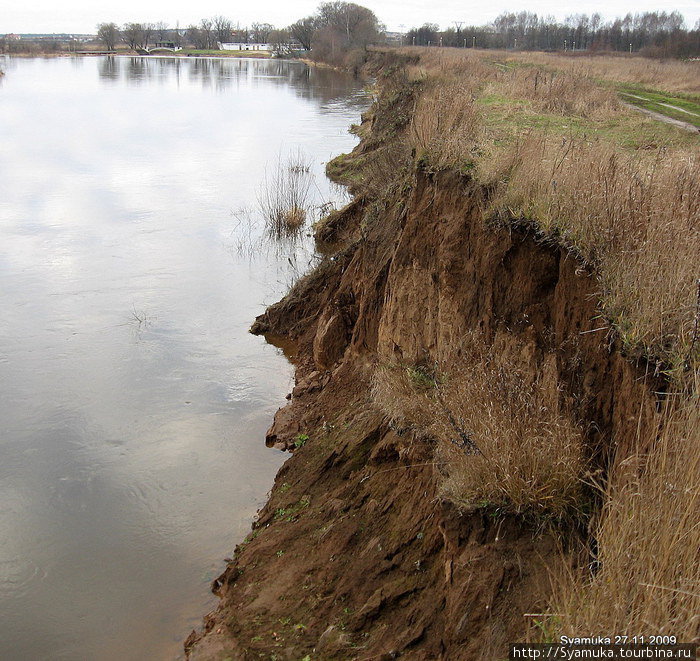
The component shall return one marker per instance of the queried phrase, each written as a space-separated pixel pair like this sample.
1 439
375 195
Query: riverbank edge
342 563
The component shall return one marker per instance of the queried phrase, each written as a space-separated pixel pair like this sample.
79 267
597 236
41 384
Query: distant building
244 46
394 38
12 37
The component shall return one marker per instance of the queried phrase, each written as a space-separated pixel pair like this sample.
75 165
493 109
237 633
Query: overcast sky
81 16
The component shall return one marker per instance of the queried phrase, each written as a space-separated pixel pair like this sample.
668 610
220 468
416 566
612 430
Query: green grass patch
685 108
507 120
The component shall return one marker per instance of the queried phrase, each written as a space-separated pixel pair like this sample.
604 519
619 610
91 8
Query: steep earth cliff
359 554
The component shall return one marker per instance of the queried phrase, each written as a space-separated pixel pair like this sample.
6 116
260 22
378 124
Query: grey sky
83 15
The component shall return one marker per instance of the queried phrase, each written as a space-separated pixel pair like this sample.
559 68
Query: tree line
330 33
656 34
339 32
206 34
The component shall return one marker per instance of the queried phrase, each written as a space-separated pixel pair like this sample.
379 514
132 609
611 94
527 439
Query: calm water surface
133 403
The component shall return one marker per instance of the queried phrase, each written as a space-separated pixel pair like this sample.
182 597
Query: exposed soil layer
357 554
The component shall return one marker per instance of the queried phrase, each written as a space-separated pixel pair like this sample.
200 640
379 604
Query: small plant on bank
300 440
285 197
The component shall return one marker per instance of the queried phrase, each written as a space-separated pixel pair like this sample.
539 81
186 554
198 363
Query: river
133 259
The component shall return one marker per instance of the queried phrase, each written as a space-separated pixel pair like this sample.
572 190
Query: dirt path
687 126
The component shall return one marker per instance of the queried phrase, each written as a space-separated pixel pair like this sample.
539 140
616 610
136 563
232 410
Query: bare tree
161 29
206 26
223 28
147 33
357 24
193 35
279 42
260 32
108 33
303 31
132 34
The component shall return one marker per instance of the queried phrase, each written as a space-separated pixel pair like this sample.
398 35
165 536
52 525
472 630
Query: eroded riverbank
363 551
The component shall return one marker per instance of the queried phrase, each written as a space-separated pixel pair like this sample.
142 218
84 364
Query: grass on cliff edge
557 148
623 194
646 578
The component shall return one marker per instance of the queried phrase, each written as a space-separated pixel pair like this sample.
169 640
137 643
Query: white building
244 46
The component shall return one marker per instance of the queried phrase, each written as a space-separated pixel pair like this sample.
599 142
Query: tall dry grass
558 92
634 216
502 434
446 125
284 198
671 76
648 561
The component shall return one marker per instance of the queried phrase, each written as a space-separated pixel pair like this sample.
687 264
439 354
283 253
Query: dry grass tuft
445 124
284 197
506 439
648 566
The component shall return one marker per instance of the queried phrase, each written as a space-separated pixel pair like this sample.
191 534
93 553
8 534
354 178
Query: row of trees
338 28
205 35
651 33
334 30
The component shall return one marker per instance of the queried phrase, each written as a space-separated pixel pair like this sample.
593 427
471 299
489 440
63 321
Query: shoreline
361 537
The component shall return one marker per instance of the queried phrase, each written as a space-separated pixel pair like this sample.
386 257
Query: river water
133 402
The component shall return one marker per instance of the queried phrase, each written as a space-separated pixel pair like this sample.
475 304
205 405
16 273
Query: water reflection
133 402
110 68
314 84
